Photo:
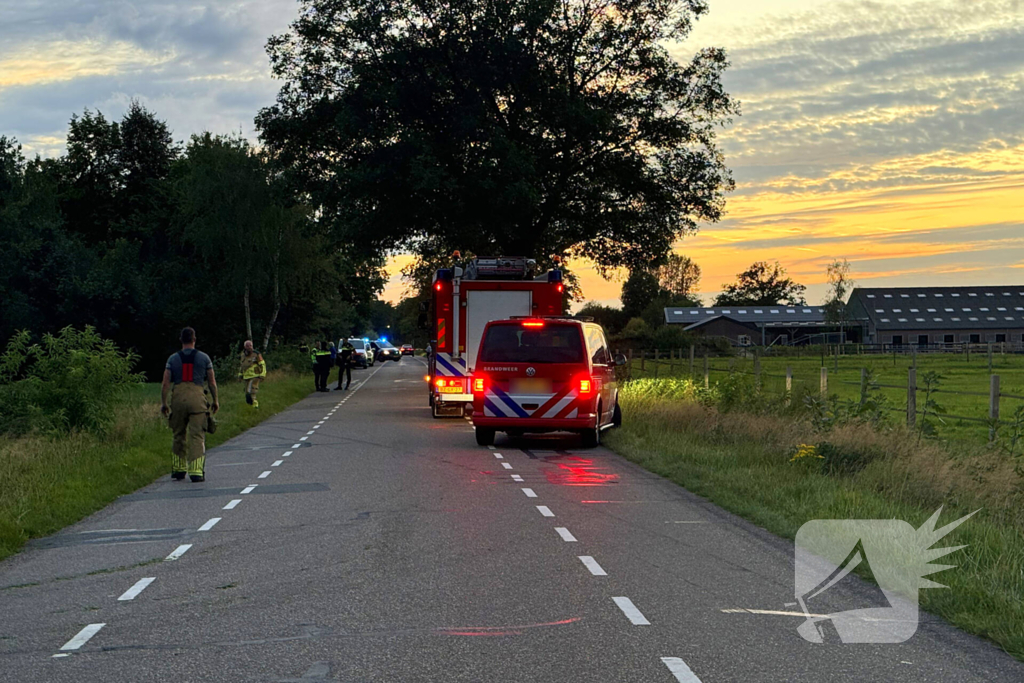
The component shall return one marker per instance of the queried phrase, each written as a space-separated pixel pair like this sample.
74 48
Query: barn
939 316
760 325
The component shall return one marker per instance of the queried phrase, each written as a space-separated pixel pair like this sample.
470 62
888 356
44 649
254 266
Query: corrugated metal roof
920 308
772 315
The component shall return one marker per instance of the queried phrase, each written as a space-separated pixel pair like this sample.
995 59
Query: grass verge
742 462
49 483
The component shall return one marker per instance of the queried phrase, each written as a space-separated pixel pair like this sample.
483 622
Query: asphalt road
364 541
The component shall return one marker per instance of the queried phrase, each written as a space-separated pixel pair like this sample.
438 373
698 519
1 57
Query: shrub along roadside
47 483
745 463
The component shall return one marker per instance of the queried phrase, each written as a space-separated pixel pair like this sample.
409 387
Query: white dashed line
133 592
564 533
678 668
286 454
264 475
209 525
506 465
82 638
303 438
178 552
499 456
232 505
248 489
545 510
491 447
529 493
278 463
516 477
631 612
595 569
322 421
309 432
298 445
315 427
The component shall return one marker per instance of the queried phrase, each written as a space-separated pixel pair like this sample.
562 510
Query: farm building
936 316
760 325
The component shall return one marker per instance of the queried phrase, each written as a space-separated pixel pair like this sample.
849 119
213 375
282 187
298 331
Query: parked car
544 375
363 352
384 350
408 350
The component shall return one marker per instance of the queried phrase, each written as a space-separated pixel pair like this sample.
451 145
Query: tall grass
740 455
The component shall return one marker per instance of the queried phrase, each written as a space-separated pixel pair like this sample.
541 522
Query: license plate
531 386
450 390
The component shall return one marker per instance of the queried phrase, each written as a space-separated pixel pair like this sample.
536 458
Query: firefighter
251 370
187 370
345 364
323 366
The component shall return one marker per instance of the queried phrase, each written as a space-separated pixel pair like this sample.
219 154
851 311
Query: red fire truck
465 299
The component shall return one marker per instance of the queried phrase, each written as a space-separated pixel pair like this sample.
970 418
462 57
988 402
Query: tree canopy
529 127
762 284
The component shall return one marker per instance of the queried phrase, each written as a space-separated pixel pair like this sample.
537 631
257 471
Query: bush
69 381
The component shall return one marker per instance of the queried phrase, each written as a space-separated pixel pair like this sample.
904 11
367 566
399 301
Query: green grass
958 374
48 483
741 461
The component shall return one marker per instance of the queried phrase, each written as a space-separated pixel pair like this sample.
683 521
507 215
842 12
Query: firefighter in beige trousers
187 371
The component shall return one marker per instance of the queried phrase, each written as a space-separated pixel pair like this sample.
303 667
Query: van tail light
534 324
479 384
586 386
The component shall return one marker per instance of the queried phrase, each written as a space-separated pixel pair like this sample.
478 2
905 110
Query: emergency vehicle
466 298
545 375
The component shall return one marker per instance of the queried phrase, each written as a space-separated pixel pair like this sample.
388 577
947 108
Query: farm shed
760 325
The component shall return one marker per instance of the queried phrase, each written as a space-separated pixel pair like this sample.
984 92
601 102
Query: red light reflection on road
572 470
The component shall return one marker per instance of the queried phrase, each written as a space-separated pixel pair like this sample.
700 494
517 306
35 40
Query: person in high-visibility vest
189 414
251 370
323 366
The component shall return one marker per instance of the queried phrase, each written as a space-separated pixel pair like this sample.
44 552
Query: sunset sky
888 133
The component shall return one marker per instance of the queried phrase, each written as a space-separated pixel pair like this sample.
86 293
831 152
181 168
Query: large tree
680 276
529 127
762 284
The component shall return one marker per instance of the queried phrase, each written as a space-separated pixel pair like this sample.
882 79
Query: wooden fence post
824 381
789 384
912 398
863 386
757 370
707 372
993 406
990 358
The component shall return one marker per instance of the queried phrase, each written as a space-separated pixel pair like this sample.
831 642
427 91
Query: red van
544 375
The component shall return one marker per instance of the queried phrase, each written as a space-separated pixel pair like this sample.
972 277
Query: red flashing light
559 288
437 286
533 323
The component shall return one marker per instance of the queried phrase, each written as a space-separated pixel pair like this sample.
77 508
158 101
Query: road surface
353 538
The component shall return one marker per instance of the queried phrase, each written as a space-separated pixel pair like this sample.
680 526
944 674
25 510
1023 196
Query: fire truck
465 298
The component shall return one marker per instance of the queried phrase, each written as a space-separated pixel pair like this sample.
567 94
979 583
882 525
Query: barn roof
784 316
902 308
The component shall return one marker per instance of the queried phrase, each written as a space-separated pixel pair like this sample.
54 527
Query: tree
680 276
524 127
762 285
839 285
638 291
611 319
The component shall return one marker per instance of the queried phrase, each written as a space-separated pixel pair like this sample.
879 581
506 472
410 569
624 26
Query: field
962 383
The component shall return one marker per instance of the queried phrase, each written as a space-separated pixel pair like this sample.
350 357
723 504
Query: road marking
506 465
491 447
685 521
303 438
178 552
82 638
232 505
499 456
322 421
631 612
516 477
545 510
564 533
678 668
286 454
278 463
140 586
315 427
210 524
310 432
264 475
248 489
298 445
591 564
775 613
529 493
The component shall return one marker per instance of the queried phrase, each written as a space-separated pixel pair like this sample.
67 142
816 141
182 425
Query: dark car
384 350
408 350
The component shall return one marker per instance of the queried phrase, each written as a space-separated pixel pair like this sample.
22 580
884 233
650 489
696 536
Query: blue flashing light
383 339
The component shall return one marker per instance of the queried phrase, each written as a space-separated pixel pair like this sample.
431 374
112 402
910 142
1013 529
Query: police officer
323 366
251 370
312 361
345 363
187 370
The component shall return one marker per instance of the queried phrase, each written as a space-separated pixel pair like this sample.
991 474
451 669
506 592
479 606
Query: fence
684 362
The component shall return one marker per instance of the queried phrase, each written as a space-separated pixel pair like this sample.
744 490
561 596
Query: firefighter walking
251 370
189 414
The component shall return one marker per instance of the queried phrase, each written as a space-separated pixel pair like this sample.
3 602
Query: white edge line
591 564
134 591
232 505
210 524
82 637
677 667
178 552
565 534
634 615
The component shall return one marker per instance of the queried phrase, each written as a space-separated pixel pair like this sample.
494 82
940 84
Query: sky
887 133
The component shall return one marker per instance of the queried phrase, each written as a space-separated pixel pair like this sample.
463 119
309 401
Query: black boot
196 478
177 475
